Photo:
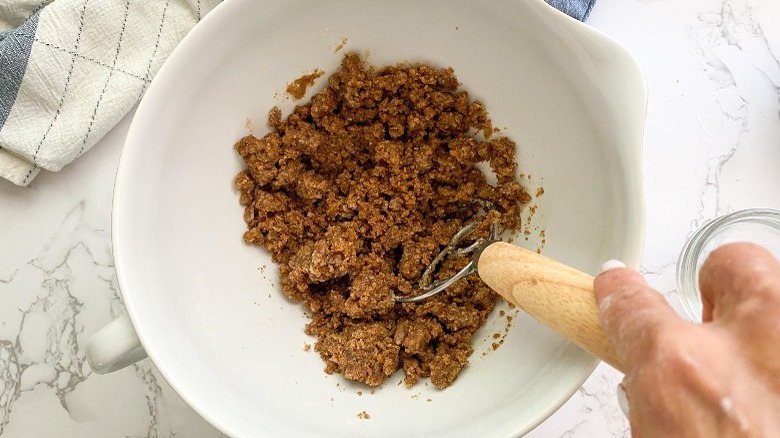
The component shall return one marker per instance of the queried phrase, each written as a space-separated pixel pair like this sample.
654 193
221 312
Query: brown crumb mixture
297 88
354 194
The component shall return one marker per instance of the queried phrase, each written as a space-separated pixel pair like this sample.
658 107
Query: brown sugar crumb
539 191
297 88
355 192
501 337
306 346
360 393
340 45
509 320
364 415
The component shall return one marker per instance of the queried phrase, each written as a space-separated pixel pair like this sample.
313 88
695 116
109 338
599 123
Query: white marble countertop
712 145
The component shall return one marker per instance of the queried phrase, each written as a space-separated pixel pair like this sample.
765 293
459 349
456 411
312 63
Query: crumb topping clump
355 192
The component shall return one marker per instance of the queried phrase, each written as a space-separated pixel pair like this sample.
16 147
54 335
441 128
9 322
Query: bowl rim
121 185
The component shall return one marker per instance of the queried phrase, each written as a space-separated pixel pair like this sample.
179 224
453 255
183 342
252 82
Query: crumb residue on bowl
533 232
297 88
363 415
499 337
340 45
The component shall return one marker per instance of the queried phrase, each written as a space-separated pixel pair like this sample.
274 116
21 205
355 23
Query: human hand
720 378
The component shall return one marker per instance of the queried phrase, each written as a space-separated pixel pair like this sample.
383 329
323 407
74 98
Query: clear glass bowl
757 225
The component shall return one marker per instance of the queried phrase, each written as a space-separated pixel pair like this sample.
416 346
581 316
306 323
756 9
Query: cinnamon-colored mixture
297 88
354 194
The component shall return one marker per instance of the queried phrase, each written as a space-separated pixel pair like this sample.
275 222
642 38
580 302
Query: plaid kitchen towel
71 69
579 9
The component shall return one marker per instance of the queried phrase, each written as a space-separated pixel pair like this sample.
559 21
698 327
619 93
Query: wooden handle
557 295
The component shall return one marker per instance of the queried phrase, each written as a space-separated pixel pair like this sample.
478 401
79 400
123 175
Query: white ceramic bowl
207 307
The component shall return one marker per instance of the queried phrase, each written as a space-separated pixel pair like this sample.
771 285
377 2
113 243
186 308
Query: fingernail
622 397
612 264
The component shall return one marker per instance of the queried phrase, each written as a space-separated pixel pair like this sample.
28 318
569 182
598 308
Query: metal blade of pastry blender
555 294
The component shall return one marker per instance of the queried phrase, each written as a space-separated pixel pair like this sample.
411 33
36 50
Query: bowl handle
114 347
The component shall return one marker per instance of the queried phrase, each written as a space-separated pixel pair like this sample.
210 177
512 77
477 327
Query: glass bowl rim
687 273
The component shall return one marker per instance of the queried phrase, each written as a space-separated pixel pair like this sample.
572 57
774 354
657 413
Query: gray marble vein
713 128
723 38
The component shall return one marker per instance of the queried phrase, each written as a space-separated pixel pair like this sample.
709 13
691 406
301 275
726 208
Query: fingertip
610 287
723 257
737 273
629 309
611 264
615 277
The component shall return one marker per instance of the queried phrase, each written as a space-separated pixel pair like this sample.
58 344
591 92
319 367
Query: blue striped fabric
579 9
14 53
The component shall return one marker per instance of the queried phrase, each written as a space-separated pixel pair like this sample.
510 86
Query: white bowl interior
208 308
